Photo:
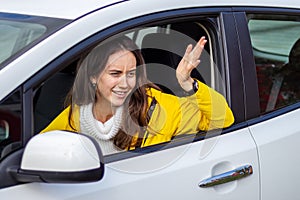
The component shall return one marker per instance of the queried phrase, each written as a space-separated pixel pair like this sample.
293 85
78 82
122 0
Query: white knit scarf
103 132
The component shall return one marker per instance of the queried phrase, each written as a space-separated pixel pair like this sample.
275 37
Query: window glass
274 36
10 124
276 47
138 34
16 35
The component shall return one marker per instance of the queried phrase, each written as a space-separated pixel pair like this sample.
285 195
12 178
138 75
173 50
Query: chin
117 103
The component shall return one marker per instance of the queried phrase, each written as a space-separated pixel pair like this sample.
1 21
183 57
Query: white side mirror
60 156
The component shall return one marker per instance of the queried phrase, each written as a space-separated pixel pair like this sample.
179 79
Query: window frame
252 89
156 18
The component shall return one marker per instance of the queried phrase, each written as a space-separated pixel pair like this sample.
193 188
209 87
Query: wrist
194 88
187 85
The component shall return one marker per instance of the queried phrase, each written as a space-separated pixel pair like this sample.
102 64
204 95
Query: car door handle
226 177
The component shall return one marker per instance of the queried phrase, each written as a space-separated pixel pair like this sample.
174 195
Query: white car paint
72 154
153 176
278 143
72 9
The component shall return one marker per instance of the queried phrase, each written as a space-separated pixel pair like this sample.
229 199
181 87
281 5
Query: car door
221 164
275 129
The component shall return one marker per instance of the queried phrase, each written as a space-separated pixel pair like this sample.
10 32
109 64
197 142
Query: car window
19 33
10 124
161 55
16 35
276 47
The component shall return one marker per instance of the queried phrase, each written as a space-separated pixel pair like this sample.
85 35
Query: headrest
156 49
294 57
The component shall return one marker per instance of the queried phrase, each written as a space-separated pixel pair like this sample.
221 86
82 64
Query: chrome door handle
226 177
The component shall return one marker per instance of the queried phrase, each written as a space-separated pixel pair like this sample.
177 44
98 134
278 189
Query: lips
120 94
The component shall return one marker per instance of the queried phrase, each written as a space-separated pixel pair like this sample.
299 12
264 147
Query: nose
123 82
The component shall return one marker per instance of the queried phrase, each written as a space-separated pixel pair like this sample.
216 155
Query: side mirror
61 157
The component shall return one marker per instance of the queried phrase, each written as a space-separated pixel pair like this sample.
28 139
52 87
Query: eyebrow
114 70
132 70
120 71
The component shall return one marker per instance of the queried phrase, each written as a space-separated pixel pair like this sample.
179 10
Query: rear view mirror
61 157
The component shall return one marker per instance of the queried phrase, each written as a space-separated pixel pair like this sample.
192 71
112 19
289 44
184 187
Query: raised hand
189 61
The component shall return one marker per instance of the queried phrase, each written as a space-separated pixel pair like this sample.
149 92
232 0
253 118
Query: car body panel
277 140
171 173
59 9
79 8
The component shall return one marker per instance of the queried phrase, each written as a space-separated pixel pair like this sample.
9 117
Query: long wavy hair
135 118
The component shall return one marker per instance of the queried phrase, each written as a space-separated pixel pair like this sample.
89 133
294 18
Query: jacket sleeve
205 110
61 122
214 111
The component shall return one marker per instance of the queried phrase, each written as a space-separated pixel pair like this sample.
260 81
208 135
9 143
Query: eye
115 73
131 74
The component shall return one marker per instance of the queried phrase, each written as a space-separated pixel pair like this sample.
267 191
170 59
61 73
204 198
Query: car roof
67 9
72 9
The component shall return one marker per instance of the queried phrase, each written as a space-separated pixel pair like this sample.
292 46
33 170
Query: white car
251 58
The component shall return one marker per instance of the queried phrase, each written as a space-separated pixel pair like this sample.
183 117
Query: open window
162 46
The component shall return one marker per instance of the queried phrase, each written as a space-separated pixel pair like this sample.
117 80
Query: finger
192 66
202 41
188 50
197 63
199 47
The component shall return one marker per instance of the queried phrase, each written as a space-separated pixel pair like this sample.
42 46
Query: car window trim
78 49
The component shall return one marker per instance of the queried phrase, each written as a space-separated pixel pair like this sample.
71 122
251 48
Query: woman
113 101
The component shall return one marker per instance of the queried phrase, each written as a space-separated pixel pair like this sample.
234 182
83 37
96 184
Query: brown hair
83 93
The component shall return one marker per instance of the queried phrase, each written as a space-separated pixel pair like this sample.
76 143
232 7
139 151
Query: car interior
161 55
278 86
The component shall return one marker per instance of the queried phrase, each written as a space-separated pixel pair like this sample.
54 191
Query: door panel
172 173
278 142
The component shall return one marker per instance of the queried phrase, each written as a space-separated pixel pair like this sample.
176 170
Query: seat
159 64
290 88
264 74
280 87
162 53
49 100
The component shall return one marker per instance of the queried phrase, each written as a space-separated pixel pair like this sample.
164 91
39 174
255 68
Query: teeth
118 92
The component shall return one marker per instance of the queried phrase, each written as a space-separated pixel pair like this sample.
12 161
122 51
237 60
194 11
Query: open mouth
120 94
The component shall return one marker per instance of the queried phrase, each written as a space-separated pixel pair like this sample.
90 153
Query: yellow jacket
172 116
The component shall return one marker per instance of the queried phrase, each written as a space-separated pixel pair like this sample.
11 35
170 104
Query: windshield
19 32
16 35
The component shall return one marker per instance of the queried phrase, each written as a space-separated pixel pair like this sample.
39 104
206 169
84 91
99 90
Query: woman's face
117 80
